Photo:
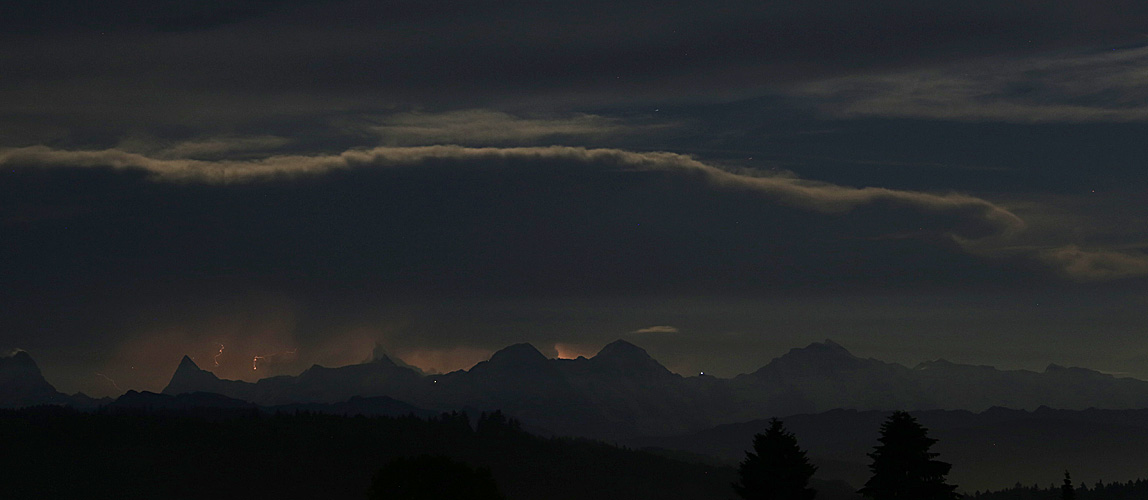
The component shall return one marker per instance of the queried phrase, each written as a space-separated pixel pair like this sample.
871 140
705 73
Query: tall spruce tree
1067 491
776 469
903 468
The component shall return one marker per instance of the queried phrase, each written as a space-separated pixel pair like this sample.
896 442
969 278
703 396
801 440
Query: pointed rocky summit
380 355
22 384
622 350
186 364
828 350
518 355
516 360
189 377
623 356
827 356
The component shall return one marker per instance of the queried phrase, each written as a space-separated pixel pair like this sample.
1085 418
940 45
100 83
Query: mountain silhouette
317 384
379 354
518 360
623 392
628 360
188 377
822 376
22 384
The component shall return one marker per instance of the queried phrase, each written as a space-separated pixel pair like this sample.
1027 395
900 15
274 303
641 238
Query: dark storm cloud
177 174
880 216
326 254
145 258
452 220
132 64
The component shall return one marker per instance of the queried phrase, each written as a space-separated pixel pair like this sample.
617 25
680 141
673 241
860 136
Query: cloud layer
981 225
1109 85
1097 264
972 217
657 329
486 127
125 66
164 160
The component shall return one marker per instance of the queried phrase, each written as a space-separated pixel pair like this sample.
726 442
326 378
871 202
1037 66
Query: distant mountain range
622 392
825 376
22 384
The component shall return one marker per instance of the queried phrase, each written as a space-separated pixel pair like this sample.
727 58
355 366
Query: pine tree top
903 466
776 469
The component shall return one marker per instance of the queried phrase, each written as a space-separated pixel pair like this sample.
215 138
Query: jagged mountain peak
827 347
621 349
818 357
515 360
517 354
188 377
19 355
380 355
20 360
186 364
627 357
22 383
817 353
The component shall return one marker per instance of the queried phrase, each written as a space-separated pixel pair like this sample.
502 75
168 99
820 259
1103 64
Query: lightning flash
255 360
109 379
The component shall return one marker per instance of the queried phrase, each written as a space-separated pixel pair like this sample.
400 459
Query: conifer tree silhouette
1067 492
903 468
776 469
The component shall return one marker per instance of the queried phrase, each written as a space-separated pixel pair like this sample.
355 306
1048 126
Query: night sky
714 181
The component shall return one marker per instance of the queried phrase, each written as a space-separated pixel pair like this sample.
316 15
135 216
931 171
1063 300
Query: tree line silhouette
1067 490
903 467
56 452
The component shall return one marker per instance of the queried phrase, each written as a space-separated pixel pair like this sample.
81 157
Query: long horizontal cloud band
975 217
693 194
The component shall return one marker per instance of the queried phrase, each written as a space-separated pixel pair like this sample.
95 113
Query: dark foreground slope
992 449
52 452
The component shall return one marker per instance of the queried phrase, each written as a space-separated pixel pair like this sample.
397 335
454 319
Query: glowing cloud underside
658 329
571 351
814 196
984 227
